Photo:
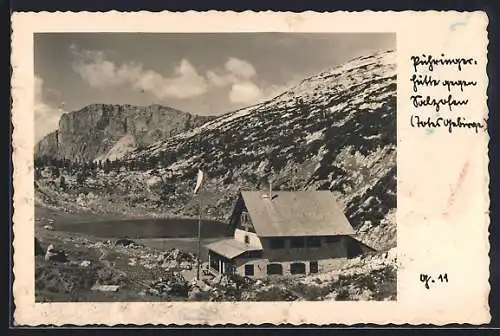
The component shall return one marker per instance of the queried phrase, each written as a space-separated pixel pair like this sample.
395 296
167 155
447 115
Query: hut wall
253 239
328 249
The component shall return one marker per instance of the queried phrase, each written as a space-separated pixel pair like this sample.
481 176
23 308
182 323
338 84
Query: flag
199 181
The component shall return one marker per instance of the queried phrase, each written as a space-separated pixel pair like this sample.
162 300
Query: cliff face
48 145
95 130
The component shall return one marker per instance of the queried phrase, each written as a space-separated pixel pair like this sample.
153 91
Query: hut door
228 267
313 267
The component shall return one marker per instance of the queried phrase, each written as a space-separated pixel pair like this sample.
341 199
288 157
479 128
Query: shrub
275 293
201 296
179 289
342 295
242 282
109 276
311 292
55 172
382 283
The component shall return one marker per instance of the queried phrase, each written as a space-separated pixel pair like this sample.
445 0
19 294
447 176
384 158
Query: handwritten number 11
426 279
443 277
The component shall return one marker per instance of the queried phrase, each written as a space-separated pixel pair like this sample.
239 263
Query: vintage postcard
211 168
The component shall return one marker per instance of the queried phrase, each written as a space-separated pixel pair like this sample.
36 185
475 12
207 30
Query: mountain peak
95 129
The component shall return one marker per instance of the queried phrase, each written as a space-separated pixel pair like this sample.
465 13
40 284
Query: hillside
101 131
335 130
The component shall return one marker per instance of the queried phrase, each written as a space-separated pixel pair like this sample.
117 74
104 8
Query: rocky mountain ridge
102 131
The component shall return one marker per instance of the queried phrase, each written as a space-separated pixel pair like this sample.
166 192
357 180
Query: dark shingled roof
300 213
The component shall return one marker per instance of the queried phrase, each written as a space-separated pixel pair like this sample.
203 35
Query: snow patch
121 148
314 136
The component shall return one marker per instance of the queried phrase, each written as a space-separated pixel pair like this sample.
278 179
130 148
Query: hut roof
302 213
231 248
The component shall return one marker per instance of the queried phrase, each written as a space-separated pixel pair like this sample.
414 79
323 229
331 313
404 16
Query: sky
206 74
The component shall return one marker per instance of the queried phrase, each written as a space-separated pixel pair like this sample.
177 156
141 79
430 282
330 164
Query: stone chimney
269 194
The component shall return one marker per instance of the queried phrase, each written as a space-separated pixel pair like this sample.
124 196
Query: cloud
185 83
237 76
46 115
234 72
94 68
220 79
240 68
244 92
247 92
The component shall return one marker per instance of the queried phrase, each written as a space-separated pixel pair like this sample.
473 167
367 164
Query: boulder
193 293
126 243
55 255
106 288
200 285
178 255
392 255
224 281
248 296
169 264
85 264
81 199
154 181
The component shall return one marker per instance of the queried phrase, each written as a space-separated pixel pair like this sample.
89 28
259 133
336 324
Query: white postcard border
427 241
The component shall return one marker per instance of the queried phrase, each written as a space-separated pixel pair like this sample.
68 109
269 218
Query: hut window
277 243
274 269
313 267
244 219
246 223
313 242
249 270
298 268
297 242
247 239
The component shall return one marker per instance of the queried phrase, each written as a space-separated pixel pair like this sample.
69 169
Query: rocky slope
101 131
335 130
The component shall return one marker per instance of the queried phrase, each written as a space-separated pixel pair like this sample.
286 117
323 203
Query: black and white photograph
215 167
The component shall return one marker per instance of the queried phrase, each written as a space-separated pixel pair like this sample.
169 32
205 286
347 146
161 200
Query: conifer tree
62 183
107 166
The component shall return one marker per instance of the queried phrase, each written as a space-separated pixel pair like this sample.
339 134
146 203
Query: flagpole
199 213
199 237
